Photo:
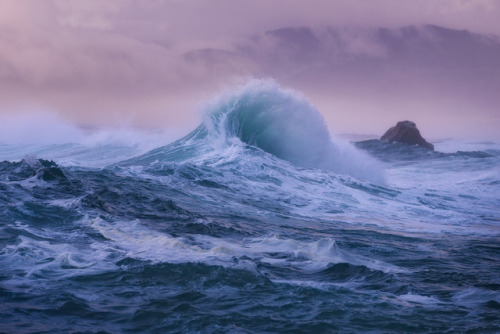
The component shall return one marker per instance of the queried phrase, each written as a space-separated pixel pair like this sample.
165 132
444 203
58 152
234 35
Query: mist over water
259 220
48 135
39 127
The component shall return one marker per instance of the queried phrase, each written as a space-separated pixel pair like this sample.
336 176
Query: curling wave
278 121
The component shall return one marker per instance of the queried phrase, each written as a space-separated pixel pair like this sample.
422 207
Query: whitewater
257 221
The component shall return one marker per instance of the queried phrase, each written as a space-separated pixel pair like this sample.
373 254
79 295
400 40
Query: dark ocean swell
234 228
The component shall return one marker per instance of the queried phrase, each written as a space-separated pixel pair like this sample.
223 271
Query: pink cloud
150 63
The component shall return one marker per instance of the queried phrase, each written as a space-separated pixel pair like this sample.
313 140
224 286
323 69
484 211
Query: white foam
143 243
50 258
318 285
418 299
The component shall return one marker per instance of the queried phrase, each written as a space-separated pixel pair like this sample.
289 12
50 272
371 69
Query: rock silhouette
406 132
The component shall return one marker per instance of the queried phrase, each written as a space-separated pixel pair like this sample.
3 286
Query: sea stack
406 132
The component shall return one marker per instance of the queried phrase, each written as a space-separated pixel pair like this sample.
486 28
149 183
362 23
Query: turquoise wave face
280 122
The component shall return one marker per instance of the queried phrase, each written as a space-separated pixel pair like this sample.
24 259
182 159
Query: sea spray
48 135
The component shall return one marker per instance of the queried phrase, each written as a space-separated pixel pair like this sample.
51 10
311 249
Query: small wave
30 167
40 255
474 154
472 297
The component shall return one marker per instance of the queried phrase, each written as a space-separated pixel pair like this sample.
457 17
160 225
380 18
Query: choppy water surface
255 222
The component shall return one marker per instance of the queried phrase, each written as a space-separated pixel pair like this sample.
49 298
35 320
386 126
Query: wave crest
284 123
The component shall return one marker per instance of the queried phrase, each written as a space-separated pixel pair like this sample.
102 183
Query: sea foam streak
147 244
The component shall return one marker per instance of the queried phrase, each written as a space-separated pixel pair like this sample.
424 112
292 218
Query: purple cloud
150 63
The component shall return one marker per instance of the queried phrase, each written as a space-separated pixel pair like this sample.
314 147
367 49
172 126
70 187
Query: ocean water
258 221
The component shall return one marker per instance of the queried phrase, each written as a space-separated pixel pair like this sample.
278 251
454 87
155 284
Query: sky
365 64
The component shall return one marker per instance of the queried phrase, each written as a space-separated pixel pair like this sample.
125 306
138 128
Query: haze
364 64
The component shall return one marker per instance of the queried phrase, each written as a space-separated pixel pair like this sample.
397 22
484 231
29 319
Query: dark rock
52 174
406 132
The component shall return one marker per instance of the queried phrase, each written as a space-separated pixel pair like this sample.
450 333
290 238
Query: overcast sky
152 63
